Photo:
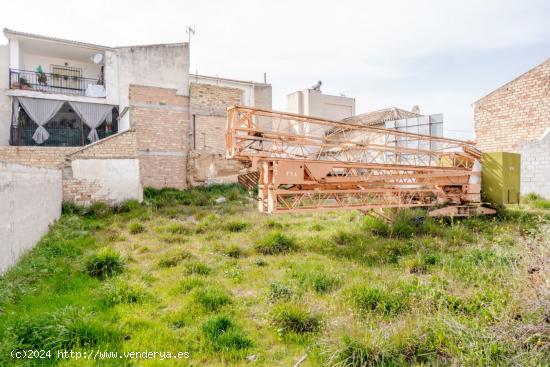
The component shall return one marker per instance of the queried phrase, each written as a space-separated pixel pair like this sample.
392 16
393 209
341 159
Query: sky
441 55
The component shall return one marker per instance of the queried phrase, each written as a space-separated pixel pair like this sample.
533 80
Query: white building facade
78 87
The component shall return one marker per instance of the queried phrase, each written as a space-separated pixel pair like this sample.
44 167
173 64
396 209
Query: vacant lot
230 286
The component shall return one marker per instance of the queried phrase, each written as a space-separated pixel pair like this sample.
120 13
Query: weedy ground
232 286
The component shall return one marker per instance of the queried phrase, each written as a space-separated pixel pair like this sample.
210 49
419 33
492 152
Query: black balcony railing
48 82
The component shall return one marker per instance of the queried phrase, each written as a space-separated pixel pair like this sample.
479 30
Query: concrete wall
165 66
314 103
5 105
535 166
30 200
107 180
515 113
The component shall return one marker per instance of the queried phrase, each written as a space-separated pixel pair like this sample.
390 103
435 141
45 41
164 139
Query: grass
291 318
211 299
105 264
274 243
231 286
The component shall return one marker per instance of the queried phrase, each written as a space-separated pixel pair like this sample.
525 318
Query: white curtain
93 115
15 113
40 111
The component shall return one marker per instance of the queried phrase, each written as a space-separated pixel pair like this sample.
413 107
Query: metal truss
307 163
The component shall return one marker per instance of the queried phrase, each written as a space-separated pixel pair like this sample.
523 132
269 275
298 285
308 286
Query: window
66 77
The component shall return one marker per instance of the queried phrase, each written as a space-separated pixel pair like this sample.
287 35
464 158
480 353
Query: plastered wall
30 200
5 105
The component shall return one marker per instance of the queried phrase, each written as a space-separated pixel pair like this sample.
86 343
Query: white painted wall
535 166
30 200
314 103
5 101
118 179
29 61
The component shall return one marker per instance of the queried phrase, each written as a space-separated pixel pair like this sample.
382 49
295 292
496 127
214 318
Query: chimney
415 109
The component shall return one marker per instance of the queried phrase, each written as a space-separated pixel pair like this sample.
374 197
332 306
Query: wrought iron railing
49 82
59 137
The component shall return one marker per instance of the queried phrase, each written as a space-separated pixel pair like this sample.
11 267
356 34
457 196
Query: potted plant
42 77
23 83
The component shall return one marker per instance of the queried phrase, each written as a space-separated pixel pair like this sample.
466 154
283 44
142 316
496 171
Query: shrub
346 238
117 293
405 224
128 206
211 299
197 267
98 210
541 204
279 291
189 284
234 251
71 208
172 238
291 318
136 228
173 259
178 228
317 227
367 298
236 226
273 224
318 280
260 262
235 193
274 243
224 335
106 263
376 226
431 259
63 329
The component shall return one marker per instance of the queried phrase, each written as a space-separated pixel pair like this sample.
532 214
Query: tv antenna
190 30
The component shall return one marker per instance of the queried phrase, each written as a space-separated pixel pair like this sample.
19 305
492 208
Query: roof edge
227 79
54 39
511 81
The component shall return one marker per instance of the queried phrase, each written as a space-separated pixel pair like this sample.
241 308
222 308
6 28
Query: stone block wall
515 113
160 118
211 100
535 166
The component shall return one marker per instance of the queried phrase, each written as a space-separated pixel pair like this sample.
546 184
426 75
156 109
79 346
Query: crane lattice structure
310 164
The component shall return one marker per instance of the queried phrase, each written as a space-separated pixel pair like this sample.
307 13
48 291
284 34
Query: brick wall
211 100
535 166
110 175
49 157
210 134
515 113
160 118
206 162
120 145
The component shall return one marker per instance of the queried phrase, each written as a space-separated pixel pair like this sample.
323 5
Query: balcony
62 83
65 129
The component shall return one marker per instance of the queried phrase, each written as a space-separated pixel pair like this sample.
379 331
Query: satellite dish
97 58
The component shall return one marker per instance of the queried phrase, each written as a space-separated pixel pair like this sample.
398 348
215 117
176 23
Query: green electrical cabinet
500 177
